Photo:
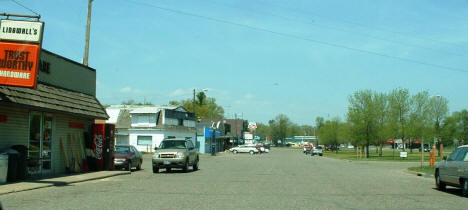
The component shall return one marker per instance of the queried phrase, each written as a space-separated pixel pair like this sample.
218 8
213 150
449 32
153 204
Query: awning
54 99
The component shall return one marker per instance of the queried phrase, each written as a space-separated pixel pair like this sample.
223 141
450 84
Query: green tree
330 133
201 98
381 114
205 108
399 110
279 128
263 130
419 117
319 122
362 118
439 110
455 127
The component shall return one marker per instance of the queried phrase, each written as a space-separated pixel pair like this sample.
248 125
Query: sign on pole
18 64
21 31
20 46
252 125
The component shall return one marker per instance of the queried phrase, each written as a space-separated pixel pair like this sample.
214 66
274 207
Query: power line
25 7
302 38
367 26
316 24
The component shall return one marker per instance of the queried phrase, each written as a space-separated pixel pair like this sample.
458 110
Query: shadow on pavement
453 191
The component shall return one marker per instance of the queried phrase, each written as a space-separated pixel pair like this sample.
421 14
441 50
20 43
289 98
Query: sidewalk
58 181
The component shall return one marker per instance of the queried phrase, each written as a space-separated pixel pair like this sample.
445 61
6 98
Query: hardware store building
60 110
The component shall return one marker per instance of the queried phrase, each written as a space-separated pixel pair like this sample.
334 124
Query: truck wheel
465 188
155 169
185 168
234 151
251 152
195 165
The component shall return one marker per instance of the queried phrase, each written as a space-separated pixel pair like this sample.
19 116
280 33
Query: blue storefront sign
209 133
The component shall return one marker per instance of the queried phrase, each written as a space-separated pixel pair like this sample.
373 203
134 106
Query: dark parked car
426 148
127 156
331 148
453 171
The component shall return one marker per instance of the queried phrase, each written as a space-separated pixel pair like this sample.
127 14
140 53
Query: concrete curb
59 181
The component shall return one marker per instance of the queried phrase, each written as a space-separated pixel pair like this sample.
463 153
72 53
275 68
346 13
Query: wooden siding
16 129
62 130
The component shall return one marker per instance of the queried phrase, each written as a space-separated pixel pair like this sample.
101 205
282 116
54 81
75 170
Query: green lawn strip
387 155
423 170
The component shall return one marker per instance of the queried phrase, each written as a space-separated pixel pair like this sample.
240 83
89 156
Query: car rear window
122 150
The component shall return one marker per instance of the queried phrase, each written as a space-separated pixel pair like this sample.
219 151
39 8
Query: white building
146 126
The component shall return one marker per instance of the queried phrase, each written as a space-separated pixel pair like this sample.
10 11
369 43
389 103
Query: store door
40 143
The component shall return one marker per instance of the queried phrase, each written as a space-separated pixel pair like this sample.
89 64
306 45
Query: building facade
52 119
146 126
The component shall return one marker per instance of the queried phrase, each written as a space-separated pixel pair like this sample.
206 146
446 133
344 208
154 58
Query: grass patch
387 155
423 170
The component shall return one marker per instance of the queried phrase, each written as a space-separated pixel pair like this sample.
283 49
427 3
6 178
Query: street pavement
282 179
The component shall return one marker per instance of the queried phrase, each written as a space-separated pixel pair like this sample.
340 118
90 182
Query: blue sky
261 58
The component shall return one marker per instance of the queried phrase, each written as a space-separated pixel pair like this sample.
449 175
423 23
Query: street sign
252 125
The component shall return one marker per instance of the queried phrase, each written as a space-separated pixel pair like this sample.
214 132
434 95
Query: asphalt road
282 179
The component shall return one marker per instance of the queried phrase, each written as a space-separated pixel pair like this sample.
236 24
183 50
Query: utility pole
237 135
194 104
88 24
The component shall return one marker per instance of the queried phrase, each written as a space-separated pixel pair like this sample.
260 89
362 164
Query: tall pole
422 152
237 135
194 104
88 24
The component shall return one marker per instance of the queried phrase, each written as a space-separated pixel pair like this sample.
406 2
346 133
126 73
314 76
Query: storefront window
35 127
40 141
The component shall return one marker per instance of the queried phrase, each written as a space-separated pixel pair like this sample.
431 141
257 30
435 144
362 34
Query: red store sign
3 118
76 125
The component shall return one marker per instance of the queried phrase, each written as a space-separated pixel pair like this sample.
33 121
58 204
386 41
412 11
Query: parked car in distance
426 148
252 149
307 149
331 148
127 156
175 153
267 147
318 150
260 148
453 171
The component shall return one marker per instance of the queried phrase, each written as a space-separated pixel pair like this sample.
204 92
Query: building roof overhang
50 98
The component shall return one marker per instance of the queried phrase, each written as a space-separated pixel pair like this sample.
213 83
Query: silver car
175 153
453 171
252 149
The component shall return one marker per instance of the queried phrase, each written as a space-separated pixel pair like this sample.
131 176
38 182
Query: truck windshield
172 145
